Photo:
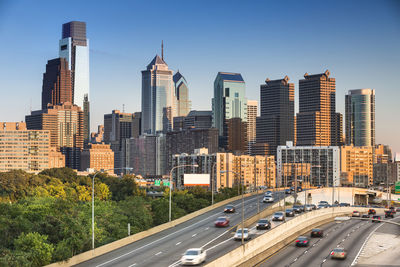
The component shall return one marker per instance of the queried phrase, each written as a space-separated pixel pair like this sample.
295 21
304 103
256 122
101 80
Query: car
229 209
269 199
278 216
323 202
344 204
238 234
376 218
314 207
222 222
288 191
389 213
393 209
193 256
338 253
371 212
263 224
308 207
289 213
365 216
322 206
298 208
355 214
302 241
317 232
268 194
299 189
398 209
292 188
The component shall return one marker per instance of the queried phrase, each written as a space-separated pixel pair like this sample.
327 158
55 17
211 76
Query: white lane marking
177 243
155 241
324 260
207 228
194 235
132 265
212 240
295 259
305 251
158 253
219 244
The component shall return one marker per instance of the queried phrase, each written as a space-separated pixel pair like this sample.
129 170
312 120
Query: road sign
166 183
157 182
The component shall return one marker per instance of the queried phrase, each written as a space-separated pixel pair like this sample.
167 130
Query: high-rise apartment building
229 102
65 124
357 165
74 47
236 139
252 108
322 163
360 117
183 104
158 97
23 149
316 119
275 126
57 86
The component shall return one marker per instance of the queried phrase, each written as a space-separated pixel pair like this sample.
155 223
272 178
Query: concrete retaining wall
279 236
130 239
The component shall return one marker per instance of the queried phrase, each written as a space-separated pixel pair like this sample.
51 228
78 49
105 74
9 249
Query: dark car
298 208
389 213
344 204
222 222
398 209
371 212
314 207
393 209
365 216
376 218
302 241
288 191
317 232
289 212
263 224
229 209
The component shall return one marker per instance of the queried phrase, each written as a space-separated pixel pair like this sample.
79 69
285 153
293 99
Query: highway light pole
214 176
237 175
170 184
94 176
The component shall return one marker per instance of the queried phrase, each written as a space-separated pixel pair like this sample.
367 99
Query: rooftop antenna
162 50
123 108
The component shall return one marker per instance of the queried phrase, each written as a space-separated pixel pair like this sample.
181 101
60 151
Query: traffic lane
145 253
292 255
389 228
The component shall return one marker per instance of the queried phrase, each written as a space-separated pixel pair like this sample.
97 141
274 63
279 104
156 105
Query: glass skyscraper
158 99
360 117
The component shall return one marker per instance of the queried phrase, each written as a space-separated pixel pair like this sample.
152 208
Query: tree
35 248
160 209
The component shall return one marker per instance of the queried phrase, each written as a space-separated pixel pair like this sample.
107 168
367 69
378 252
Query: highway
349 234
165 248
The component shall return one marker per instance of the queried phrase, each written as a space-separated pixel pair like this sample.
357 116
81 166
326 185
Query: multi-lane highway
165 248
349 234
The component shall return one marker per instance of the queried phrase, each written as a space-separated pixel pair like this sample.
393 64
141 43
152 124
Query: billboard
190 179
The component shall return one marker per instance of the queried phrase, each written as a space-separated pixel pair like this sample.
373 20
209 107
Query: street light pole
242 203
213 174
94 176
170 184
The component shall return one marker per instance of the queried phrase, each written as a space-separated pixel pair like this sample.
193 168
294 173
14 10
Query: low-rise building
357 165
97 157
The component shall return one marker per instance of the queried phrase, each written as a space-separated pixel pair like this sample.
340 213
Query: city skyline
354 58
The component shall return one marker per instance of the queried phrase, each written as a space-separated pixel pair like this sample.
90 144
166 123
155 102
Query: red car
222 222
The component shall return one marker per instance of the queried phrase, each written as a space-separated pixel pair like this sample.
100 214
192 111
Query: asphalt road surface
165 248
350 235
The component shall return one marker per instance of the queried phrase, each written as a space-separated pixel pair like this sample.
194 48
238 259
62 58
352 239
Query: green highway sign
157 182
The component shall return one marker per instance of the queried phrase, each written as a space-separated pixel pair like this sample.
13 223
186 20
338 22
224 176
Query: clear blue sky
358 41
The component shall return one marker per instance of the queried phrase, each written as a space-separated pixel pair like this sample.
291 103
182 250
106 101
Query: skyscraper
74 47
56 87
252 107
229 102
360 117
183 104
317 111
275 126
158 97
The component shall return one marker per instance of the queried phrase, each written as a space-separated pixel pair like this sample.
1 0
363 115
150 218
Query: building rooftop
156 61
178 76
228 76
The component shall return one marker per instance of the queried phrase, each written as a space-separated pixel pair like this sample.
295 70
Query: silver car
238 234
338 253
193 256
278 216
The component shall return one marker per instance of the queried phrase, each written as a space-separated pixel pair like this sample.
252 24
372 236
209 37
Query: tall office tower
74 47
158 99
183 104
275 126
86 119
236 136
337 129
65 123
317 108
360 117
137 124
56 87
252 107
229 102
199 119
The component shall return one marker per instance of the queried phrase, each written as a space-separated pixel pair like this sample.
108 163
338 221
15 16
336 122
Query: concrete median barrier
261 247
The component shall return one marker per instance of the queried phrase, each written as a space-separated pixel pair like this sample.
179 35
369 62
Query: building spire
162 50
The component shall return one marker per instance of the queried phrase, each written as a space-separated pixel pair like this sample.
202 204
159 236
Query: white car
193 256
268 199
238 234
268 194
